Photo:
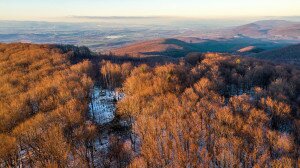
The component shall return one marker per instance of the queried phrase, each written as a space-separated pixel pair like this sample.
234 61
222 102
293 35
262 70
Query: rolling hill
182 46
270 29
159 47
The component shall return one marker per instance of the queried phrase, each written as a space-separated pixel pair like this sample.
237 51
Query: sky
55 9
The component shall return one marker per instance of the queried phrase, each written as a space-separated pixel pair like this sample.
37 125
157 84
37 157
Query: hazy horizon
154 20
55 10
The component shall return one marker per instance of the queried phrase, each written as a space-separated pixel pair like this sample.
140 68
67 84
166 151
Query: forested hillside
43 106
203 110
289 54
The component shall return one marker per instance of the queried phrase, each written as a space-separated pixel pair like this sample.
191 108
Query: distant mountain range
270 29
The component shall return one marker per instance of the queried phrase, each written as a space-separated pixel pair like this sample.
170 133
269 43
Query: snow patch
102 107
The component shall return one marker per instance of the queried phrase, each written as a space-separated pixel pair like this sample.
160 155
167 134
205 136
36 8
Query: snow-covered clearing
102 107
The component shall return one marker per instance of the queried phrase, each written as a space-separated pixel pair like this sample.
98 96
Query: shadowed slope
289 54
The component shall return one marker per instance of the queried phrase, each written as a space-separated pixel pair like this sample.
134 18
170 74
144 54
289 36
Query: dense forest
203 110
43 105
214 110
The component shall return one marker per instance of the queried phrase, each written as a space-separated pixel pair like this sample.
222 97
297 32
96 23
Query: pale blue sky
51 9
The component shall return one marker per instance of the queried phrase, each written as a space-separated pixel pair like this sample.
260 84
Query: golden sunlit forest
202 110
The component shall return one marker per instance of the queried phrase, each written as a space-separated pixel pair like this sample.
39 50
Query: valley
113 34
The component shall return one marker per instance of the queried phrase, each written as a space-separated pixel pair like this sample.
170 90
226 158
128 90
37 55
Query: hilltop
270 29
